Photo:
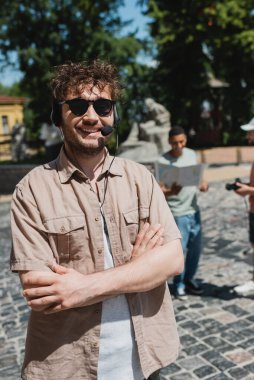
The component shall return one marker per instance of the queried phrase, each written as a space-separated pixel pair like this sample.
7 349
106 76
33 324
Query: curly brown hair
73 77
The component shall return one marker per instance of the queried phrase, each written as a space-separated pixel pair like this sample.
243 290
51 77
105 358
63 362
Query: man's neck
91 165
175 154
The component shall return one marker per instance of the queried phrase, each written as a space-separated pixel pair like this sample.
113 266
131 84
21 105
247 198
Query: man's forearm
146 272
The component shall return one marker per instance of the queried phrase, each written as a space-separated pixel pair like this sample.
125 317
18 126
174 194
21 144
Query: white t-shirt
118 354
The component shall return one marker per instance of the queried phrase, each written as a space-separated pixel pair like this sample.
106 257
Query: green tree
13 90
45 33
195 39
231 46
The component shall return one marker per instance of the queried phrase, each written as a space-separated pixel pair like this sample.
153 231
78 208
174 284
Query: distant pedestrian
183 204
18 145
243 190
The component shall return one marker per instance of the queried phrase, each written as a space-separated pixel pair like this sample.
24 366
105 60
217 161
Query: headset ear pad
56 115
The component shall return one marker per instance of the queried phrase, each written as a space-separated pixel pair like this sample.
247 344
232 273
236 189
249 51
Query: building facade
11 113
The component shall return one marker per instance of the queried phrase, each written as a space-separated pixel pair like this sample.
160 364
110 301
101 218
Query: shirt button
111 219
100 251
94 347
97 219
62 229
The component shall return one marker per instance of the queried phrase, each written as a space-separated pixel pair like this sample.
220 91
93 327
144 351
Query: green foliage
193 41
199 38
45 33
13 90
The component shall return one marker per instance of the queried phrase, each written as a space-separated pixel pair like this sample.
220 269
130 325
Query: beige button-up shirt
56 217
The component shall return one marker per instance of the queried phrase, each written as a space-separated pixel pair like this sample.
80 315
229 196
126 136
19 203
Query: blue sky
130 11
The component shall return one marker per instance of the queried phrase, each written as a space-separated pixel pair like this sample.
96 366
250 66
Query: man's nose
90 113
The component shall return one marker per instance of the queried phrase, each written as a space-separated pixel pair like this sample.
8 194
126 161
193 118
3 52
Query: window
5 124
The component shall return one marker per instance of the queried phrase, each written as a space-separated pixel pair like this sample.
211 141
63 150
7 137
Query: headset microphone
105 131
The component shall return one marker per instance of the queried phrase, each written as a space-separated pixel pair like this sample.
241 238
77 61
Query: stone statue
156 126
148 139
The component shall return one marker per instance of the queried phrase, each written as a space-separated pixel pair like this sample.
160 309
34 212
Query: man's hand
244 189
168 191
62 289
148 238
203 186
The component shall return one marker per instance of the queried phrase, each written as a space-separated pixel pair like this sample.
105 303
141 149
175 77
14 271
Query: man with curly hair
94 243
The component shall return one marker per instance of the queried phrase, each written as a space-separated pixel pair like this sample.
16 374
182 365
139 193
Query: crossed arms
63 288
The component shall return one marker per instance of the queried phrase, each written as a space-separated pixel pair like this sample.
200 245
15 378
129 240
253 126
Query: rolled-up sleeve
30 245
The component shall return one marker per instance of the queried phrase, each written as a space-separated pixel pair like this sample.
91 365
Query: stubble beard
75 146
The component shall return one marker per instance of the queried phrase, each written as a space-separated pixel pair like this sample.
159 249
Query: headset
56 115
56 118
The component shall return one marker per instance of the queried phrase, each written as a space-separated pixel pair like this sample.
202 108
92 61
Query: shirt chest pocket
67 237
134 220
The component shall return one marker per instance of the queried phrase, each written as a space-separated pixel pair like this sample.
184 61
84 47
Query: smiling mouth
86 130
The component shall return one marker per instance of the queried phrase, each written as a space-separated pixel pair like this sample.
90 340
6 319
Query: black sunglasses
79 106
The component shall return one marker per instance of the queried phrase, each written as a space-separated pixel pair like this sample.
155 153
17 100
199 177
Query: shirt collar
66 168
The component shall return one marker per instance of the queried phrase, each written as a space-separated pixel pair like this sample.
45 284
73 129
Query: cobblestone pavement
216 329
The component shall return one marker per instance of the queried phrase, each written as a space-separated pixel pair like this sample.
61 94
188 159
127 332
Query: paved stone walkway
217 329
